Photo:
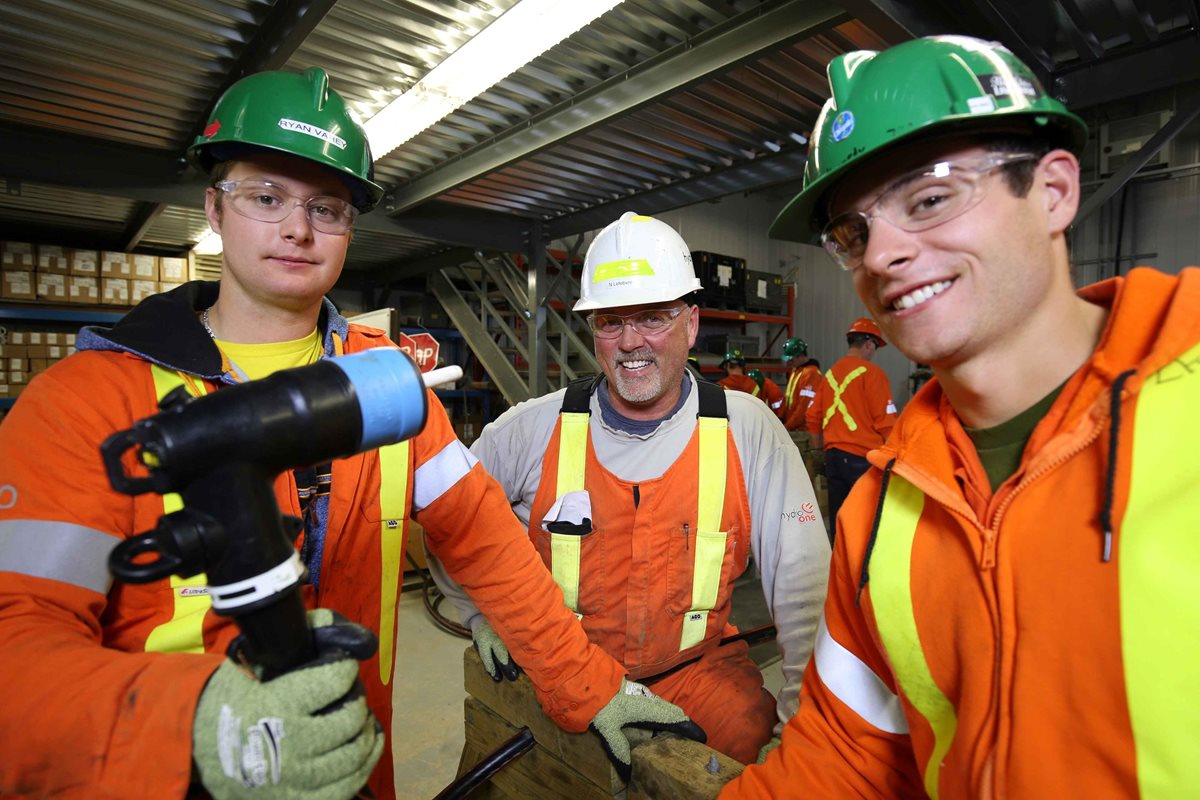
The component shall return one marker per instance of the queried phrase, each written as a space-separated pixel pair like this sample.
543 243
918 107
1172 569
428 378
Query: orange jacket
853 407
636 567
739 383
772 395
88 712
801 389
1048 671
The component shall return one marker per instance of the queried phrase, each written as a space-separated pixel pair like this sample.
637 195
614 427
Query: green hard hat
733 356
794 347
756 375
939 84
293 113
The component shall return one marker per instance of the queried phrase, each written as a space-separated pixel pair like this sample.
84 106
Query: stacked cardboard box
86 277
24 354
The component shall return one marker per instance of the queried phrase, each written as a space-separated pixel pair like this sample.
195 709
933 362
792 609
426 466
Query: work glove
492 652
304 735
766 749
635 705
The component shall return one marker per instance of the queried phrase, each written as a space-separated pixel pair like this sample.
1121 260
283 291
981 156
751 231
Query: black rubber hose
489 766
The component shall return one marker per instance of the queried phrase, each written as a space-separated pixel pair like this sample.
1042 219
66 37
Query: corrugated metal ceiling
657 104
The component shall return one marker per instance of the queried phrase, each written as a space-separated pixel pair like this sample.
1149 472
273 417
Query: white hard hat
636 260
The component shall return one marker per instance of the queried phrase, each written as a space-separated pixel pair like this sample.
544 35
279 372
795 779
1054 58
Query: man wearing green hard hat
999 622
290 170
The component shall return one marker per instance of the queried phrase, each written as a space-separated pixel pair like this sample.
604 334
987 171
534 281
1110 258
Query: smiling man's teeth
635 364
918 296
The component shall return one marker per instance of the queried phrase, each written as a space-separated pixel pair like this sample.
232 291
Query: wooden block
537 774
670 768
515 702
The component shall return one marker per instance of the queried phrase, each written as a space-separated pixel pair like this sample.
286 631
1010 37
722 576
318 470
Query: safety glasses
650 322
267 202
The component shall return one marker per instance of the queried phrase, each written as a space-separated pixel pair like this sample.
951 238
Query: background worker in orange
124 690
1012 604
852 412
803 375
768 391
646 491
736 379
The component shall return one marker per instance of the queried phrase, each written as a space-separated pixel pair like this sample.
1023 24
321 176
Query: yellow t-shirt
260 360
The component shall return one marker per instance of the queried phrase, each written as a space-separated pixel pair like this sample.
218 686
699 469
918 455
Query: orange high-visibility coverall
1028 666
739 383
858 415
88 712
801 389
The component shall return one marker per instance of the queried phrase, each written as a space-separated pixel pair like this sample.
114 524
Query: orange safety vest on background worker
853 407
61 615
800 391
739 383
1038 641
773 397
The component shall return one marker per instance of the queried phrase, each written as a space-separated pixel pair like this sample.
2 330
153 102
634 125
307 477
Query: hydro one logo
313 131
807 512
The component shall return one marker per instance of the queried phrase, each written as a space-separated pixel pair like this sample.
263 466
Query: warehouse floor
428 713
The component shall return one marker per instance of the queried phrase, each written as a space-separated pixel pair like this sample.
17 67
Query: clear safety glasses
650 322
268 202
921 200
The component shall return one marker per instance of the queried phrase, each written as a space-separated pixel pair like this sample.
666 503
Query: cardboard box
53 259
166 286
13 390
14 351
52 287
115 265
37 365
83 290
140 290
114 291
17 377
17 256
18 285
13 364
85 262
145 268
173 270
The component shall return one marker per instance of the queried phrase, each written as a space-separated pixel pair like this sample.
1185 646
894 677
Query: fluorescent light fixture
511 41
210 244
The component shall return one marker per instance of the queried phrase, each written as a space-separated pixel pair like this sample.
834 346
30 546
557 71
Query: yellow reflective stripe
184 632
891 600
757 389
565 549
393 508
793 382
710 539
1158 561
837 404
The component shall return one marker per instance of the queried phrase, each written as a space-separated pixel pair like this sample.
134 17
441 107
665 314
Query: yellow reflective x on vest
837 404
565 549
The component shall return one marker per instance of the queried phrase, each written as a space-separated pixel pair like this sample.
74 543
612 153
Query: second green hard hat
941 83
294 113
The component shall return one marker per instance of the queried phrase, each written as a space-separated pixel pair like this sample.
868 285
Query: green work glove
766 749
635 705
304 735
492 651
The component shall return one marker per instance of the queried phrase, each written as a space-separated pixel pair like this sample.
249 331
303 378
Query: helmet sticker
313 131
843 125
622 268
1002 85
212 129
981 105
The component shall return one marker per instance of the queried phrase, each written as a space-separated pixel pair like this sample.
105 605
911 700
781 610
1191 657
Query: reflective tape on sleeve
437 475
856 684
57 551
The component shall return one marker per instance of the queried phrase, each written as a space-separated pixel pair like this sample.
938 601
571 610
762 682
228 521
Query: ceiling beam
1130 72
757 174
140 220
768 26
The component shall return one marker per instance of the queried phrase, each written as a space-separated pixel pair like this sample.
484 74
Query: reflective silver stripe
59 551
435 477
856 684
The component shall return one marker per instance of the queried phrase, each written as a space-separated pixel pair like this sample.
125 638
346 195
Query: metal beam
1133 72
768 26
897 20
1155 143
139 222
757 174
455 224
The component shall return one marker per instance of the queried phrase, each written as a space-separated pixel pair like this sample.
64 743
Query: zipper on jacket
637 495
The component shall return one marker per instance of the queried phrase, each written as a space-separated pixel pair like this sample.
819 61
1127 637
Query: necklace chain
204 322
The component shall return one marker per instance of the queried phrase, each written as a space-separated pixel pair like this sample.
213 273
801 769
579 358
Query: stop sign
422 348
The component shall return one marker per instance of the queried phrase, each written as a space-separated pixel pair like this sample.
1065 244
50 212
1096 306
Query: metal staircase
517 319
